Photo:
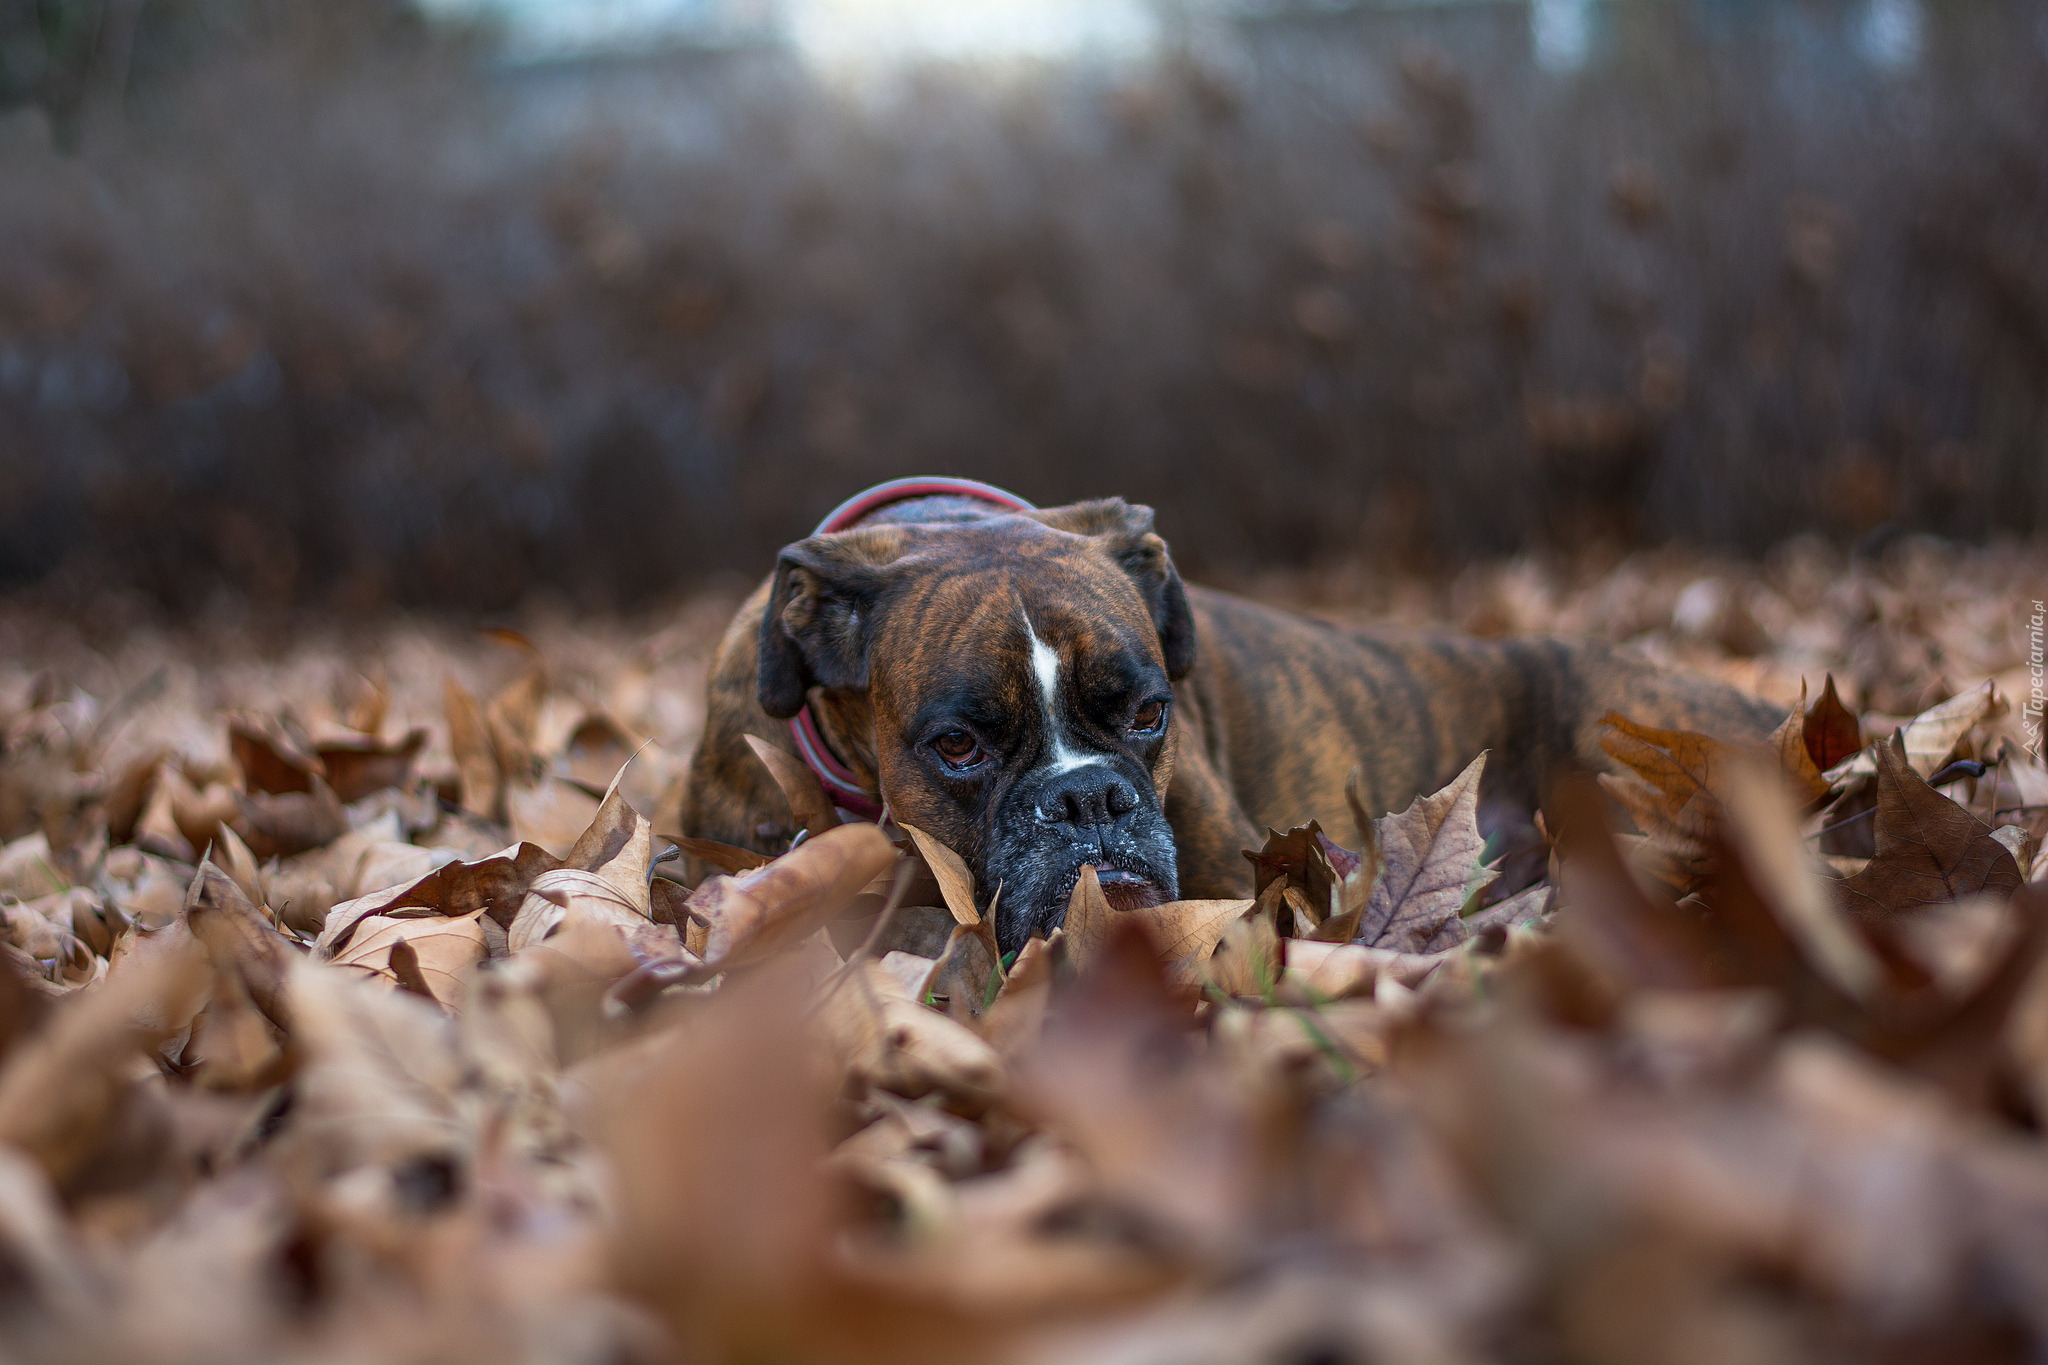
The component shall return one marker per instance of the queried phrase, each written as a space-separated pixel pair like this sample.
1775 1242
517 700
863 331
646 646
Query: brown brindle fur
1265 729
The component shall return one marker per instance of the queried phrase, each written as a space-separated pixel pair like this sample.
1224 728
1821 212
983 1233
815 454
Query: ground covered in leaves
352 1008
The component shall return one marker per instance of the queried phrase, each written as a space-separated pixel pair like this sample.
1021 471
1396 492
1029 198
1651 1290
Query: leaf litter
330 1038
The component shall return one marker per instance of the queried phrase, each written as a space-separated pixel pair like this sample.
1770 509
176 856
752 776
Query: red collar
841 786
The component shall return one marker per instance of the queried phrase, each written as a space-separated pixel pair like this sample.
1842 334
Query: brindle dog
1039 691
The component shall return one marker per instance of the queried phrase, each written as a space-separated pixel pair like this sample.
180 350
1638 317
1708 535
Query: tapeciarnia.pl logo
2037 678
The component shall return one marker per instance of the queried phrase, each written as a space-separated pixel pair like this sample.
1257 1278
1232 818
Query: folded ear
1124 533
816 630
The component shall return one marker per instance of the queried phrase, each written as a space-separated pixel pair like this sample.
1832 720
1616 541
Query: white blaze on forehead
1046 664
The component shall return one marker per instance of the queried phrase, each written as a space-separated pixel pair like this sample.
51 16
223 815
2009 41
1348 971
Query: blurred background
345 304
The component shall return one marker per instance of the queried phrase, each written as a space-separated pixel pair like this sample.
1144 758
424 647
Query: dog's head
1018 672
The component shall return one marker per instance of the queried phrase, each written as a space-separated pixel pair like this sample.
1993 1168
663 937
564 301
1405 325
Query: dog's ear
1124 532
816 630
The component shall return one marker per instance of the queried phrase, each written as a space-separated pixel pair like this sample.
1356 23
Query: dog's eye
958 748
1150 717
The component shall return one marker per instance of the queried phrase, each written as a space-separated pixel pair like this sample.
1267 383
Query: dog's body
1027 688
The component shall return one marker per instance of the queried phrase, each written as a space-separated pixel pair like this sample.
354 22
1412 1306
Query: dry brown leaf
1429 868
475 758
513 718
962 978
198 814
1671 790
725 857
1931 736
376 1093
758 914
1311 861
810 810
956 883
1012 1023
1763 826
1246 961
550 813
233 1046
49 1268
28 868
911 970
1814 739
29 927
445 950
58 1090
1317 972
230 855
271 760
1089 922
555 897
240 939
886 1039
1929 849
496 885
619 847
280 826
358 765
1186 931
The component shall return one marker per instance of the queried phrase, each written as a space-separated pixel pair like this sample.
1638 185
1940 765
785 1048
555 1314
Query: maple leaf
1429 868
1671 788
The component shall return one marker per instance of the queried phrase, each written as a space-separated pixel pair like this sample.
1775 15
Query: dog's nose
1086 797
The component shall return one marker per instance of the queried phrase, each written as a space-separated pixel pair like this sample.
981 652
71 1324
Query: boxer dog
1038 690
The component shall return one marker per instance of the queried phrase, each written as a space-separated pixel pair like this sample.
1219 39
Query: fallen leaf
1089 922
1763 826
475 758
58 1090
1816 738
1011 1024
28 868
1672 789
513 717
1317 972
1187 931
444 950
888 1040
966 977
1429 867
1929 849
1931 736
270 760
550 813
618 845
810 809
956 883
280 826
555 896
725 857
759 913
496 885
1308 858
240 939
